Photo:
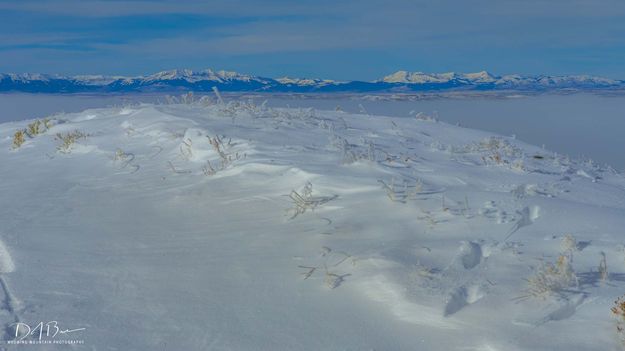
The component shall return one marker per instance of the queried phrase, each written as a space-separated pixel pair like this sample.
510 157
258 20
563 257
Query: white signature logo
50 329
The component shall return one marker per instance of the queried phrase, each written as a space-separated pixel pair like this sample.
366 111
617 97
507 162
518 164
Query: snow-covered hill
233 226
202 81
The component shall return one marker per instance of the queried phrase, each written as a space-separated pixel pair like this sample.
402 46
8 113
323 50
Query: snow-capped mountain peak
305 81
196 76
205 80
418 77
406 77
171 74
96 79
481 77
25 77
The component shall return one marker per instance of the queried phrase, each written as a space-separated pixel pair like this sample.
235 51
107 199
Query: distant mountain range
203 81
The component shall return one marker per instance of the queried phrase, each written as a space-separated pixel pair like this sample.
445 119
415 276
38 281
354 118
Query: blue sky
364 39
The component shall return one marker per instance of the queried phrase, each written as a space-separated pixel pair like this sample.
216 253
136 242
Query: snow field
237 226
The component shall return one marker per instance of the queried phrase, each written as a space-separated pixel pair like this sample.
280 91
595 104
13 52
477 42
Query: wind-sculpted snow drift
230 225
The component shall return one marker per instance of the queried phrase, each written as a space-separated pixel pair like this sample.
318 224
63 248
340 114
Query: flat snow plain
233 226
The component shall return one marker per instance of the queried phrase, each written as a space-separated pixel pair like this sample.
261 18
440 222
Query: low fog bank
579 125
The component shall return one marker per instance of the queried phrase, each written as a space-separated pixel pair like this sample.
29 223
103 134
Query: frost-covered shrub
33 129
568 244
408 189
247 109
551 278
226 158
423 117
495 151
188 99
603 268
304 200
68 140
352 153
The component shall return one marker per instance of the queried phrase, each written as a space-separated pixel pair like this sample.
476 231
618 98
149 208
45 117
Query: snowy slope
208 226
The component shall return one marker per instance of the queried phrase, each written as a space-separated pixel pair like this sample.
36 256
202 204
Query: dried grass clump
353 153
47 122
234 109
568 244
186 149
551 278
304 200
68 140
619 312
409 189
225 158
123 159
496 151
18 139
188 99
424 117
34 129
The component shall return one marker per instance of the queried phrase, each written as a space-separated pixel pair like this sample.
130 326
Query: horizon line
491 73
